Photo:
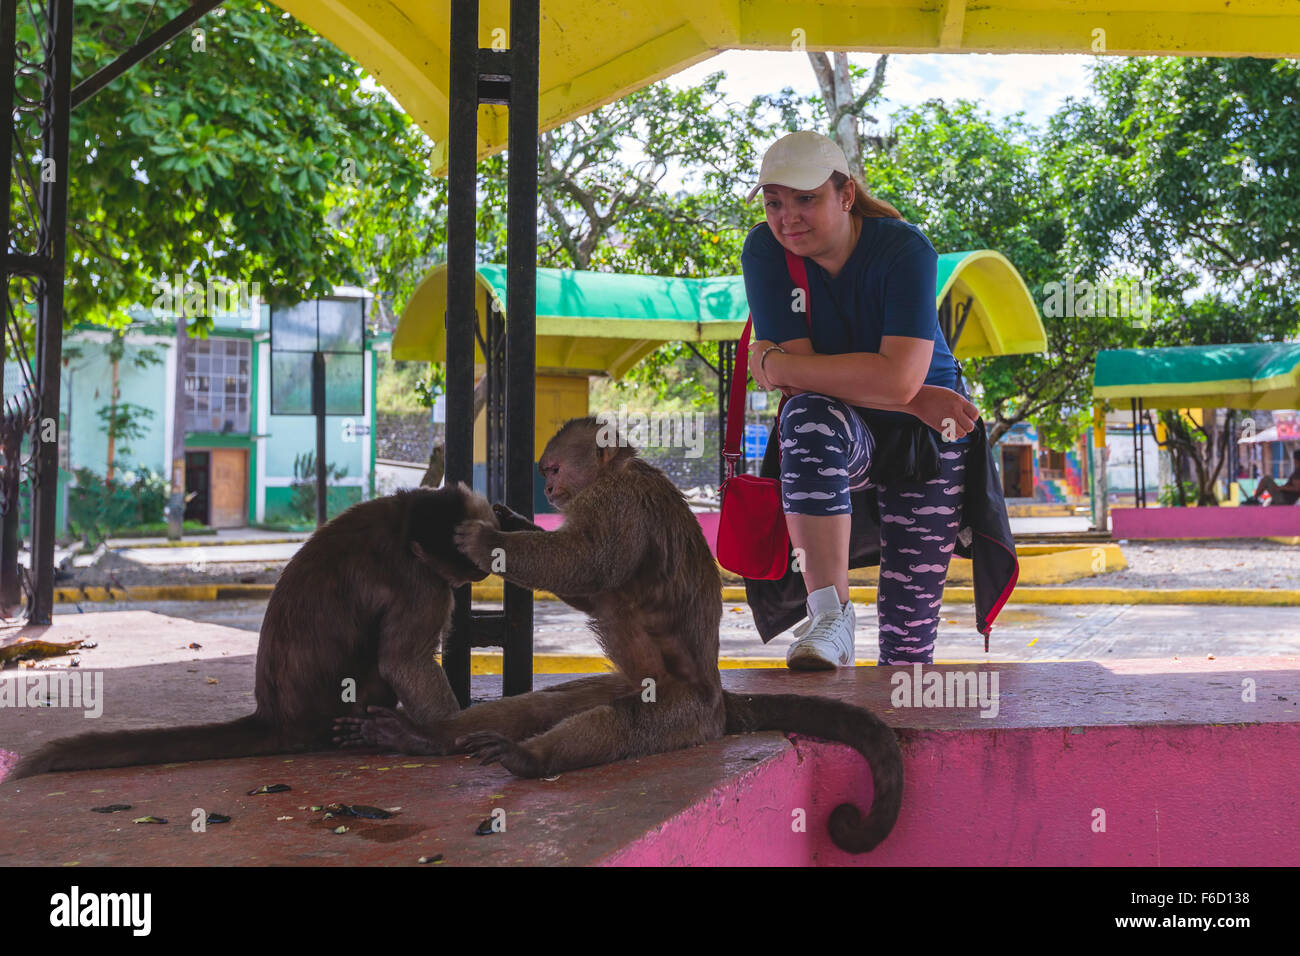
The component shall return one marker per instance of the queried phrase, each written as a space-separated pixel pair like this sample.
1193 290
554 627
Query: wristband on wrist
762 361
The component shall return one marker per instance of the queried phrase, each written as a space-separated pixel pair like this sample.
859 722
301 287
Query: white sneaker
824 640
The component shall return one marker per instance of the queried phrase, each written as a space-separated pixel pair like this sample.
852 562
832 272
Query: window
1051 464
217 385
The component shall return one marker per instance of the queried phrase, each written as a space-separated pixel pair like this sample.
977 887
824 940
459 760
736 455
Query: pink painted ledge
1182 523
1134 762
1181 771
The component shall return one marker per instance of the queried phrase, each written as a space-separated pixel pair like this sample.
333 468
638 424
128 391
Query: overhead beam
952 24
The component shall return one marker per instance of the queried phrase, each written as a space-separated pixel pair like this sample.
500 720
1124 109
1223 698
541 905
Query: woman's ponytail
864 204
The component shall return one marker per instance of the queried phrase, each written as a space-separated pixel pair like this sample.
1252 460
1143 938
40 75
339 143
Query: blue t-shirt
886 287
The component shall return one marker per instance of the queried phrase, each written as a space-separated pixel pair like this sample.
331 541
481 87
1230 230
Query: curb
1040 564
1242 597
126 544
163 592
489 663
1047 510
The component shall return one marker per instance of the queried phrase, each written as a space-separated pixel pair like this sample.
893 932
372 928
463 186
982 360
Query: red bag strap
739 382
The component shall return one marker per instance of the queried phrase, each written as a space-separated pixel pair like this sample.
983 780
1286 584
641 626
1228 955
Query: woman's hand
946 411
756 372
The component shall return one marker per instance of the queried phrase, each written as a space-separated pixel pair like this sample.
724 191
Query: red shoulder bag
752 537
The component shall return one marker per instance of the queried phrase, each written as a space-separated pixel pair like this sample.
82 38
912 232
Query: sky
1003 83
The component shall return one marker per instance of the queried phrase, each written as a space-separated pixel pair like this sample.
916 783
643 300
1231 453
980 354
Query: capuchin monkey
631 555
367 599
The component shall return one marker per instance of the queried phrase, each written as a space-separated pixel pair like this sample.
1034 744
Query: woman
876 360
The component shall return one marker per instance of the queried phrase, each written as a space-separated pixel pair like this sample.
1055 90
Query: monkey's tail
834 720
246 737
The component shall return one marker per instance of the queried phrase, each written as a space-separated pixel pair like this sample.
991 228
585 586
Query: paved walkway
209 549
1021 632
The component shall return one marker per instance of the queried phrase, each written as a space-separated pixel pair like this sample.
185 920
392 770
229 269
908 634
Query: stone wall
408 436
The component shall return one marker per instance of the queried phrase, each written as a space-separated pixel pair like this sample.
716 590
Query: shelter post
1099 517
508 77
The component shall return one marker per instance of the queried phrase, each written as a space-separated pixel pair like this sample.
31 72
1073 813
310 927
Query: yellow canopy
594 52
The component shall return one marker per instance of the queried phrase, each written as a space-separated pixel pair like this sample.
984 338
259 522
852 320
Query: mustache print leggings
826 449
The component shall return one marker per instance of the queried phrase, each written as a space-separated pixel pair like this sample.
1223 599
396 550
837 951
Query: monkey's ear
455 573
614 456
476 506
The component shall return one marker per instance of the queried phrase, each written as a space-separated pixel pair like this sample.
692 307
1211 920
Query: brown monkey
630 554
367 597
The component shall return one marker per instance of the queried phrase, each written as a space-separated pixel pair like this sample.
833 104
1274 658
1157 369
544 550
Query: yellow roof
595 52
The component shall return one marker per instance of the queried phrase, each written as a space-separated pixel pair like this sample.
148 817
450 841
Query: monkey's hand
476 540
385 729
511 520
491 747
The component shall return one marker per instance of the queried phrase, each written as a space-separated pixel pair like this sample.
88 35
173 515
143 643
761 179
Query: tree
249 150
603 204
255 151
120 421
1188 171
846 110
973 182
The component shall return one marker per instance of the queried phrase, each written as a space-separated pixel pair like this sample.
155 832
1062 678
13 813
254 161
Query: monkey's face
564 477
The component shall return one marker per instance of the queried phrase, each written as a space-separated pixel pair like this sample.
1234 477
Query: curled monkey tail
834 720
245 737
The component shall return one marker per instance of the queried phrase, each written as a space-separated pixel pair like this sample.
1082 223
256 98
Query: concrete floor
163 669
1021 633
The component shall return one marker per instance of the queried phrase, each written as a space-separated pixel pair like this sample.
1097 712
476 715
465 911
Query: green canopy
1246 376
604 322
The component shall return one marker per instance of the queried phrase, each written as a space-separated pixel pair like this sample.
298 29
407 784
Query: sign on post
318 367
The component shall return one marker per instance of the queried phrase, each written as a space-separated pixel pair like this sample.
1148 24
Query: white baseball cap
802 160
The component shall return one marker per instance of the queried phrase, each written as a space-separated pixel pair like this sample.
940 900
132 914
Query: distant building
1031 471
239 458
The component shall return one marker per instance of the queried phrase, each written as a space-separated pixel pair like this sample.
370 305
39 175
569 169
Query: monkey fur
367 597
631 555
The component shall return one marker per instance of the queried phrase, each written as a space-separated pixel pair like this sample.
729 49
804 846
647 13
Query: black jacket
984 537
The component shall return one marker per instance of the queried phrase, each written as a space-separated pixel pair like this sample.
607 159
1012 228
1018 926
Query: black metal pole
1142 448
521 327
1132 402
49 328
318 409
462 135
12 438
726 359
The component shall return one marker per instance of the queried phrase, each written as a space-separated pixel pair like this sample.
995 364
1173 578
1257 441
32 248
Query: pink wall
1239 522
1195 795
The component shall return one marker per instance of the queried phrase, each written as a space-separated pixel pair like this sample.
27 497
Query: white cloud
1004 83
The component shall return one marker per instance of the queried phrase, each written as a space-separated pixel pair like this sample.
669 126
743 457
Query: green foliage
1189 169
1169 496
602 210
99 508
242 165
405 386
122 423
264 157
970 181
303 488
